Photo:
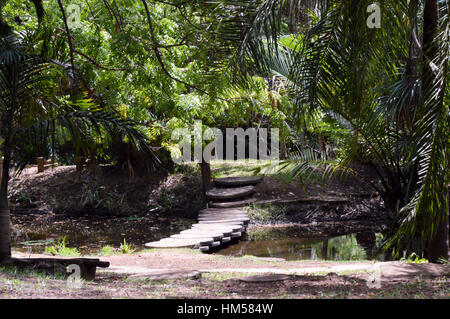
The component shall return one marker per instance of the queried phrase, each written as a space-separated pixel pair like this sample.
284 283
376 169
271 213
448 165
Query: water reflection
342 248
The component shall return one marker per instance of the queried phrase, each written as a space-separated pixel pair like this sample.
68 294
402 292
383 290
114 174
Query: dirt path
159 262
183 273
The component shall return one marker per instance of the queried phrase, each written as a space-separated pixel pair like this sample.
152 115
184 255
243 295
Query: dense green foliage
109 79
386 86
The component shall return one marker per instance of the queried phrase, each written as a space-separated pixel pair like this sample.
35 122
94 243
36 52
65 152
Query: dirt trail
182 262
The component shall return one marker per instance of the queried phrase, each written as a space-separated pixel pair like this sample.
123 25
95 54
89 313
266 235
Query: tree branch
92 61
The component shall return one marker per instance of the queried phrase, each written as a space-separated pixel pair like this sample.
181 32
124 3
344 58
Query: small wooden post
79 163
91 162
40 164
1 167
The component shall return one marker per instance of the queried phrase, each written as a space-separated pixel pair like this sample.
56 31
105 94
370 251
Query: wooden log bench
88 266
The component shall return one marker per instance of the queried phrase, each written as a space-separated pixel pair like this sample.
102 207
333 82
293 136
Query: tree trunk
205 169
438 247
5 232
283 149
292 17
325 249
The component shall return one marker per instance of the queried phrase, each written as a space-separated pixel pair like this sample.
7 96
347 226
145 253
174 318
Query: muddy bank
329 216
32 232
105 191
336 207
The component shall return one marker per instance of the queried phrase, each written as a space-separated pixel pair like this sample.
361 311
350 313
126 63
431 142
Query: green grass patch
267 213
126 248
61 249
17 272
220 169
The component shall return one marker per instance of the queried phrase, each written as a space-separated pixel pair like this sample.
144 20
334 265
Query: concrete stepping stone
236 235
229 193
197 236
226 219
222 216
215 227
234 204
224 213
220 220
220 224
211 233
220 211
231 227
215 244
179 243
237 181
212 225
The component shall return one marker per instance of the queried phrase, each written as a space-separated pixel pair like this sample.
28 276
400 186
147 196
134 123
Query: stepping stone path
224 222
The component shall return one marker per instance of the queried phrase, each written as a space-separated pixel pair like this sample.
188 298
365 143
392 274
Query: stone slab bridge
224 221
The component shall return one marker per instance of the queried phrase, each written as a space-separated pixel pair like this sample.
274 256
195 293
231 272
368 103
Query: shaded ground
105 191
401 281
330 286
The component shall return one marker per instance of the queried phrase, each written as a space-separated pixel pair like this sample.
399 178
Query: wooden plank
66 261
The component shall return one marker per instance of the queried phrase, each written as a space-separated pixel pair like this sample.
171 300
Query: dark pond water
90 235
276 244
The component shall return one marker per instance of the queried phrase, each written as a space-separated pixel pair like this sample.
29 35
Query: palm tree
32 109
387 85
